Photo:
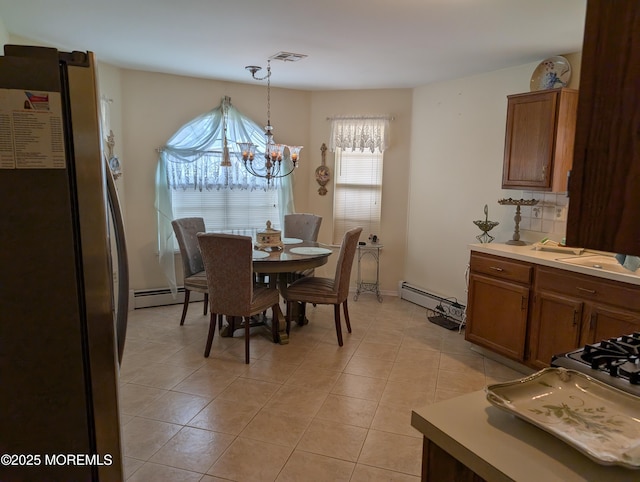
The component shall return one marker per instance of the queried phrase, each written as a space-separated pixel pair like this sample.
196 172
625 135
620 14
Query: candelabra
517 218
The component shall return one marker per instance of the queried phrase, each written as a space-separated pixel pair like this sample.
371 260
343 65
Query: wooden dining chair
228 262
195 279
328 291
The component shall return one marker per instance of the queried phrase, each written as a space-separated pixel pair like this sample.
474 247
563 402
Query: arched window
201 174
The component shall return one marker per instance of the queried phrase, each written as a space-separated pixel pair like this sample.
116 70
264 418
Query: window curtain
192 159
359 133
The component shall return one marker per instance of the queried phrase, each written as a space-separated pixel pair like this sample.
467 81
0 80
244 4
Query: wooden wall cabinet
497 305
539 140
604 189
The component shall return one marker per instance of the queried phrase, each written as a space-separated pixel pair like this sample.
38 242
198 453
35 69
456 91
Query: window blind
357 193
227 209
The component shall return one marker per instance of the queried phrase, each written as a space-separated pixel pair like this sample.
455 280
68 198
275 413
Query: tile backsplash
549 216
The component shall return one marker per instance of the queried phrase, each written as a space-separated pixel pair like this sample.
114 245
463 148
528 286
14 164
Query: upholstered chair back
345 262
302 226
186 230
229 267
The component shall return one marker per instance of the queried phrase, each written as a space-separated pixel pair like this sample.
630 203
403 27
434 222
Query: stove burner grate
618 356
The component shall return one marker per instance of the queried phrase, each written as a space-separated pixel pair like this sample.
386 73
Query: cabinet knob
496 268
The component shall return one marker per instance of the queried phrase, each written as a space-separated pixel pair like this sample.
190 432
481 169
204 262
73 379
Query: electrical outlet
558 212
456 312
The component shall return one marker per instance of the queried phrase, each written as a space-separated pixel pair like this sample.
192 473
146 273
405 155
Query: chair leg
185 306
346 316
247 334
212 330
287 315
336 315
206 302
287 320
275 322
302 314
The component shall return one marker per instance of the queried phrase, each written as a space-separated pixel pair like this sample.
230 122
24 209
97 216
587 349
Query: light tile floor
309 410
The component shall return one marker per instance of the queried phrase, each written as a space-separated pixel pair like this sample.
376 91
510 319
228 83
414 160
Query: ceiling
351 44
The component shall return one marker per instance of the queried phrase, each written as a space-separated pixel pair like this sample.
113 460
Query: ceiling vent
288 56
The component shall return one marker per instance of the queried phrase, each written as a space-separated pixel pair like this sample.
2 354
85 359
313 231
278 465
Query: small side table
373 250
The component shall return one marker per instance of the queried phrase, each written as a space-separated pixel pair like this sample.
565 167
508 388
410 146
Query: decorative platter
600 421
310 250
552 73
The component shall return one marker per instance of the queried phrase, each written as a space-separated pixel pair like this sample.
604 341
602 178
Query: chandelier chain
269 93
274 154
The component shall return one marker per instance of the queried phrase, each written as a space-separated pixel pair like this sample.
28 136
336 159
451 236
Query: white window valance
359 133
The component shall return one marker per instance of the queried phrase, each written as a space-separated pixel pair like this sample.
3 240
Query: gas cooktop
615 361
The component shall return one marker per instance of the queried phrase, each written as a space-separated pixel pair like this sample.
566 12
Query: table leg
279 322
279 327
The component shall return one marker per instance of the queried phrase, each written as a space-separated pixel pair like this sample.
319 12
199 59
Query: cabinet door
497 315
539 140
607 322
555 327
531 123
605 199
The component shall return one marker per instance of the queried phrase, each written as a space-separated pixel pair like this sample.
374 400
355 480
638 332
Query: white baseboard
159 297
437 303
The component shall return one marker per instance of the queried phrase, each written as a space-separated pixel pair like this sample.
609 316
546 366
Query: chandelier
274 154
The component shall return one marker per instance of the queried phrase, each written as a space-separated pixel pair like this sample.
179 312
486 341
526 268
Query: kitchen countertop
550 258
498 446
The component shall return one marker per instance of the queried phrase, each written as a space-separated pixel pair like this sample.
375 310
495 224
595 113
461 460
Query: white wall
457 147
4 34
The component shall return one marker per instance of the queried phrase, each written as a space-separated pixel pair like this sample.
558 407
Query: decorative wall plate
552 73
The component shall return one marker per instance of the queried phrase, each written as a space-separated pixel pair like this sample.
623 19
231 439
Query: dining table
278 264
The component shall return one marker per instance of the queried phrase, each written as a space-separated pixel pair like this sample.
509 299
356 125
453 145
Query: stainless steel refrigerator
62 326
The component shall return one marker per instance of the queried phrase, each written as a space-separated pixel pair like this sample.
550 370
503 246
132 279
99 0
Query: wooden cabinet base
439 466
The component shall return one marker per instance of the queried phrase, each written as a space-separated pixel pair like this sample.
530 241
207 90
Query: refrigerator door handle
123 265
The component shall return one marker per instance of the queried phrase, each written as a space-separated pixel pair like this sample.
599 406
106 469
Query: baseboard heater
450 307
161 297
